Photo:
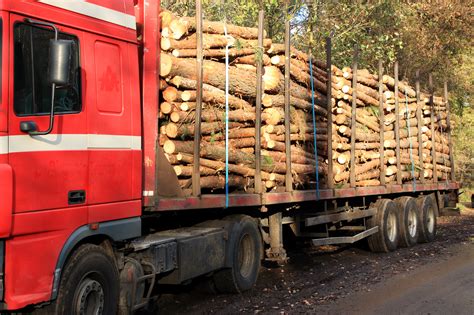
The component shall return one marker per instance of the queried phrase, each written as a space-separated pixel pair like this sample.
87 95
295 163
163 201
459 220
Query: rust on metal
397 124
433 139
196 178
382 120
353 116
288 175
329 109
448 121
420 125
258 109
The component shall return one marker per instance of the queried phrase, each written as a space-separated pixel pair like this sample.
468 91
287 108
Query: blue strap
226 119
407 115
314 128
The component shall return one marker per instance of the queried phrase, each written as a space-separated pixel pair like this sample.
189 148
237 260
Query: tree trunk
185 25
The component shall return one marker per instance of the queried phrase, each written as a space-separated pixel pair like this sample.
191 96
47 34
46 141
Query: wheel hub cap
430 221
412 222
90 298
392 227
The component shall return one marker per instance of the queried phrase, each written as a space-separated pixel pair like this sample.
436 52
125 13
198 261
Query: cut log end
165 65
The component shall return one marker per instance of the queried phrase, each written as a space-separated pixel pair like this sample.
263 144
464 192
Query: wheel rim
412 222
245 258
392 227
430 220
89 298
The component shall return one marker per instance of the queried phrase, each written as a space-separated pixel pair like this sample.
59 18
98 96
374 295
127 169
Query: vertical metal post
276 252
381 120
288 177
433 137
448 121
420 126
330 178
196 179
258 108
353 116
397 125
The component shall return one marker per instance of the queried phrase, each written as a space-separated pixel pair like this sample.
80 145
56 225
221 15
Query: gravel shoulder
315 278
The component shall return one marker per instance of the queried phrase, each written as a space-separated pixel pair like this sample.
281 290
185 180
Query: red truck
83 228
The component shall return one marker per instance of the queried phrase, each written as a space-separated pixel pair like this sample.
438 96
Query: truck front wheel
245 249
89 284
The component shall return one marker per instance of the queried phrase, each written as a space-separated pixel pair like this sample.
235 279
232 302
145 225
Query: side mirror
60 52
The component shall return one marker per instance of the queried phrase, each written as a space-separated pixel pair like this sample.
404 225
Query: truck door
50 171
113 115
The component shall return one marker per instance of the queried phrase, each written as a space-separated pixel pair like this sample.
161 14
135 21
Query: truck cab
84 175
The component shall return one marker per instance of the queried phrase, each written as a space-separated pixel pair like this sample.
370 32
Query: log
207 128
166 107
238 115
185 25
211 41
238 157
237 169
171 94
241 82
211 94
279 101
218 182
213 53
187 171
402 87
368 182
252 59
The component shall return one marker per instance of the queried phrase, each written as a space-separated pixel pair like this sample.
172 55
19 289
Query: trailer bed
209 201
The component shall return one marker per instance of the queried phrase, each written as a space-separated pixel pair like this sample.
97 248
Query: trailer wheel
386 240
427 213
89 284
408 220
245 245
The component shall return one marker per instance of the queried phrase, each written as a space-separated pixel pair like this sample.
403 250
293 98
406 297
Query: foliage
463 145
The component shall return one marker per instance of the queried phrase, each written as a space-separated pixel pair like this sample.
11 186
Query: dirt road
444 288
436 278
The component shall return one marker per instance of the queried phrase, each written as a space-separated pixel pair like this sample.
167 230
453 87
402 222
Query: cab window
32 91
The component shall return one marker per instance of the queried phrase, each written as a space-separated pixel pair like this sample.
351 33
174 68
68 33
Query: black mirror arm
35 22
51 117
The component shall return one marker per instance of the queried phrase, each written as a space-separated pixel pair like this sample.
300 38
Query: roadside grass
465 200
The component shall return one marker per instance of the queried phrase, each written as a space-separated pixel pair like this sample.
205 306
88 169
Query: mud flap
167 180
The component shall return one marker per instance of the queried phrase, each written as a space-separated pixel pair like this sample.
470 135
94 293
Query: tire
427 211
386 239
408 221
90 282
245 245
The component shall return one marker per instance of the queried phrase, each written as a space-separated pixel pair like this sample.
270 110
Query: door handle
76 197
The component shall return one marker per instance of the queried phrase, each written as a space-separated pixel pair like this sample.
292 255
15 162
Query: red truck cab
86 174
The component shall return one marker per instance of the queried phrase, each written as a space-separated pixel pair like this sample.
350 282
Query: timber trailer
85 228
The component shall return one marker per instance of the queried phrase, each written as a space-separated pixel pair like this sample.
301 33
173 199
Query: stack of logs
178 102
414 128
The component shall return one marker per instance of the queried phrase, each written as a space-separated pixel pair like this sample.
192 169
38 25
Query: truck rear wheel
427 212
386 240
246 247
408 220
89 284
